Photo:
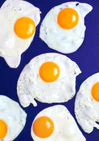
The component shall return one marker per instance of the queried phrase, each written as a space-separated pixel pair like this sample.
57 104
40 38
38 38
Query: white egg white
13 115
30 86
57 38
11 46
86 107
65 127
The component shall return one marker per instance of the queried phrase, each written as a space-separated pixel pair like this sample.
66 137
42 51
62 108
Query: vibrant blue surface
87 57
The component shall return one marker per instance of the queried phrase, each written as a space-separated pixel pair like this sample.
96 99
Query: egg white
11 46
13 115
86 107
59 39
30 86
65 127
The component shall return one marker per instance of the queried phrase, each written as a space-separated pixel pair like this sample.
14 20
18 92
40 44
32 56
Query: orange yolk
68 18
49 71
95 91
24 27
43 127
3 129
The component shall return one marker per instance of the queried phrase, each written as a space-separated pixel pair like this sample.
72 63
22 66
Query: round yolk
24 27
49 71
3 129
95 91
43 127
68 18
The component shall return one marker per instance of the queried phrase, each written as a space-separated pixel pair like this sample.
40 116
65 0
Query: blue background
87 57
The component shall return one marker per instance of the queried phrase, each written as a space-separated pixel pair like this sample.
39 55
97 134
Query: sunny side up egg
63 28
18 21
55 124
12 119
87 104
49 78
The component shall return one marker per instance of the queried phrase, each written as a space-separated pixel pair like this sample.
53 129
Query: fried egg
49 78
12 119
63 28
87 104
55 124
18 21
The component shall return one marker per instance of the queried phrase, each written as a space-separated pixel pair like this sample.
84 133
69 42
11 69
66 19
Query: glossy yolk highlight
3 129
24 27
95 91
68 18
43 127
49 71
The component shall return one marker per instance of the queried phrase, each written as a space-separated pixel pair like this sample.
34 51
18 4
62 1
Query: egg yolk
49 71
43 127
24 27
3 129
95 91
68 18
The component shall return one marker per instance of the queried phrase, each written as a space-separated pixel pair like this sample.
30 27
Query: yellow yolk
43 127
24 27
3 129
95 91
68 18
49 71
